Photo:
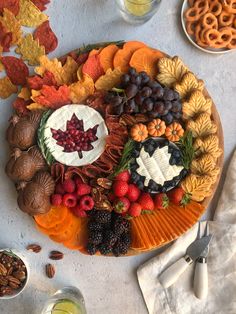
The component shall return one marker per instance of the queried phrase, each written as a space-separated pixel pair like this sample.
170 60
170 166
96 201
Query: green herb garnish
87 48
185 145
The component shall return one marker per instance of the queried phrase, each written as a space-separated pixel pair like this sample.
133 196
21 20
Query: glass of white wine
137 11
68 300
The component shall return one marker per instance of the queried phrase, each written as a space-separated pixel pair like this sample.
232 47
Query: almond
34 248
56 255
50 270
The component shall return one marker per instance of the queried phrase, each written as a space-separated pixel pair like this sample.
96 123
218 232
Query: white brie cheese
157 167
90 117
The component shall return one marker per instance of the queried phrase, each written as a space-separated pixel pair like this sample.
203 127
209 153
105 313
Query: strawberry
135 210
146 201
161 201
123 176
179 197
56 199
83 189
120 188
69 200
77 211
111 197
133 193
86 203
69 186
121 205
59 189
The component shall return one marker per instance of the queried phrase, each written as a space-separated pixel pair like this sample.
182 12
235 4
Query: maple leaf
52 97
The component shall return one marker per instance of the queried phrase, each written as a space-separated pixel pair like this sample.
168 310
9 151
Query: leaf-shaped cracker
30 49
188 84
198 186
196 104
205 165
54 66
6 87
12 25
109 80
24 93
202 125
209 144
171 71
29 15
80 90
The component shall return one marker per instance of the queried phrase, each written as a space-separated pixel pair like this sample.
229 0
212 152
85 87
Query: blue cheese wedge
58 120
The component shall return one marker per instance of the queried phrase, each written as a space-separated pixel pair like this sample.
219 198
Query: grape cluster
138 93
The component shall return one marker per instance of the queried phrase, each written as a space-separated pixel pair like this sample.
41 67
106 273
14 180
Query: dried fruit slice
67 234
16 70
55 216
46 37
107 55
93 67
79 238
59 228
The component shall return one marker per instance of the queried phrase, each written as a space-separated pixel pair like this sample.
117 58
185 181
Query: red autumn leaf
11 5
5 38
82 58
46 37
16 70
20 105
36 82
52 97
93 67
41 4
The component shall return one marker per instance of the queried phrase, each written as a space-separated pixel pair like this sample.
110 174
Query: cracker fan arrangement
115 148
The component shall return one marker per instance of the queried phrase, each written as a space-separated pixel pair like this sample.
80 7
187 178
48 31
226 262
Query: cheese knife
173 272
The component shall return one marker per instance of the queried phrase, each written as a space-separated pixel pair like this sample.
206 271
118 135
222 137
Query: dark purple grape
168 118
131 90
158 92
109 97
177 115
145 78
176 95
125 79
129 106
118 109
176 106
116 100
168 105
136 109
136 80
153 114
132 71
139 99
153 84
165 111
146 91
168 94
147 105
159 107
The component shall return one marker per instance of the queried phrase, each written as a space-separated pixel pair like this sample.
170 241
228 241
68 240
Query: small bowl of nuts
14 273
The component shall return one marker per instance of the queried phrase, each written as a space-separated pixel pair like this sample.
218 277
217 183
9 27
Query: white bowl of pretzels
210 25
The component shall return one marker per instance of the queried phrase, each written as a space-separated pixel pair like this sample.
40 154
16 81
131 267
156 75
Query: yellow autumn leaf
70 70
80 73
54 66
34 94
80 90
36 106
24 93
109 80
29 15
30 49
6 87
10 22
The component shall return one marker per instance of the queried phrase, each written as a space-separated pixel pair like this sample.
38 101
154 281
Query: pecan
50 270
13 285
3 281
5 291
56 255
105 183
19 274
96 195
104 204
10 270
34 248
3 270
13 280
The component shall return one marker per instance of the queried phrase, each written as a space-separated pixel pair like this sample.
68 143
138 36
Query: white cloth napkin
179 298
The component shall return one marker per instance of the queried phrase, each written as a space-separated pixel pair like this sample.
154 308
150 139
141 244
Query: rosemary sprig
185 145
42 140
87 48
10 253
125 159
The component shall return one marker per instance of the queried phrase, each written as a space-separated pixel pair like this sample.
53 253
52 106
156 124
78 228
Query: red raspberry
123 176
83 189
135 210
146 201
59 189
78 180
120 188
77 211
69 186
121 205
69 200
56 199
86 203
133 193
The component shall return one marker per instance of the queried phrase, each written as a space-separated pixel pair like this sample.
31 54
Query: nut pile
12 273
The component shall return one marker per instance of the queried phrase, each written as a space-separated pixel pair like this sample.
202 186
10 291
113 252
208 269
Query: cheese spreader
173 272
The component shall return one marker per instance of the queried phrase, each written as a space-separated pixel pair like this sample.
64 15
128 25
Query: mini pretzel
215 7
190 27
218 39
229 6
232 44
209 20
192 15
191 3
226 19
202 6
234 23
199 41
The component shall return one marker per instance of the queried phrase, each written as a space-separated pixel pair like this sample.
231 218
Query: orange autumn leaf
145 59
94 52
109 80
35 106
52 97
24 93
123 56
107 56
93 67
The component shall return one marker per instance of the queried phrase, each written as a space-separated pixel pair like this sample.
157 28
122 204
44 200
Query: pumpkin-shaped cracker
174 132
156 127
139 132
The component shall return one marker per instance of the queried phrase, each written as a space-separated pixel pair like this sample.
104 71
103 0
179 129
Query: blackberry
94 226
91 213
95 237
109 237
102 216
105 249
126 238
120 248
121 225
91 248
